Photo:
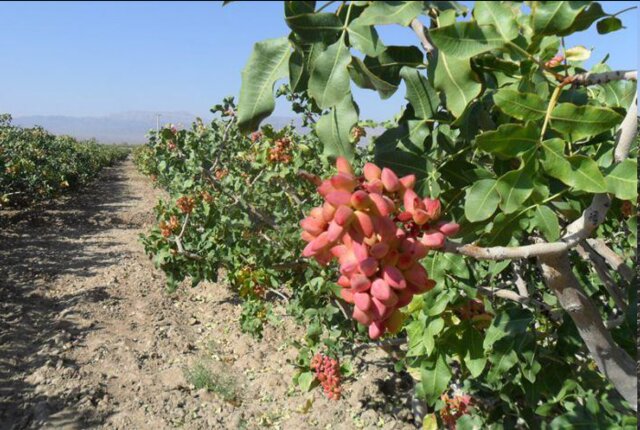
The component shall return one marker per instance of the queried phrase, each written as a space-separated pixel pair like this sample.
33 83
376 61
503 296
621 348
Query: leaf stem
324 6
624 10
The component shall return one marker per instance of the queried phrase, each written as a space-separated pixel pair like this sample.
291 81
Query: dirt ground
90 339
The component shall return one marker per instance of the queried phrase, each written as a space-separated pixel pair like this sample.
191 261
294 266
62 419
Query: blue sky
92 59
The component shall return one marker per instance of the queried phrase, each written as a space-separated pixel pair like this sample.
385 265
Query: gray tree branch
617 366
588 78
612 259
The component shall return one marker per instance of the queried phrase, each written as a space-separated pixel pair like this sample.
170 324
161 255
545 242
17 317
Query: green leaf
481 200
434 379
523 106
474 357
516 186
609 25
334 129
388 64
554 160
315 27
267 64
552 17
577 53
456 79
298 76
499 15
511 322
547 222
390 12
578 122
466 39
622 180
506 229
584 20
577 171
618 93
586 174
329 82
364 78
292 8
420 93
509 140
503 359
306 380
365 38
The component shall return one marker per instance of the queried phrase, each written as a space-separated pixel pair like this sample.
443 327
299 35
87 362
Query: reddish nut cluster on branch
555 61
255 136
280 153
171 145
474 311
220 174
378 229
327 371
185 204
167 228
206 196
454 408
627 209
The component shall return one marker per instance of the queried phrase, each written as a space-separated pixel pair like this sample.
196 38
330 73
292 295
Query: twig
421 32
325 5
178 240
515 297
340 306
627 132
564 59
518 280
613 260
587 253
589 78
380 344
614 323
614 362
279 294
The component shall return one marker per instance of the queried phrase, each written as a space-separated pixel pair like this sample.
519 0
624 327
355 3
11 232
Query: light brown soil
90 339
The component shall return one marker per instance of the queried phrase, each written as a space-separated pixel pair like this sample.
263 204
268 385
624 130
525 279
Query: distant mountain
131 127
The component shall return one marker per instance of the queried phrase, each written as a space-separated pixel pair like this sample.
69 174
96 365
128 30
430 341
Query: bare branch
587 253
618 366
518 280
178 240
627 132
614 323
588 78
515 297
421 32
279 294
613 260
507 252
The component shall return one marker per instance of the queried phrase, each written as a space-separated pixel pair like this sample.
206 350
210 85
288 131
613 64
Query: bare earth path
89 338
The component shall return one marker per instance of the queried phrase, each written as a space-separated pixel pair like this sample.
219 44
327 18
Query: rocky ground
90 339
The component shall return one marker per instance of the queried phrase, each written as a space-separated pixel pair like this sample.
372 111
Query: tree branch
178 240
421 32
515 297
588 254
618 366
518 280
588 78
627 132
612 259
578 230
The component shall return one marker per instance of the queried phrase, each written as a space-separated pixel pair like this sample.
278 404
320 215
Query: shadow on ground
37 246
